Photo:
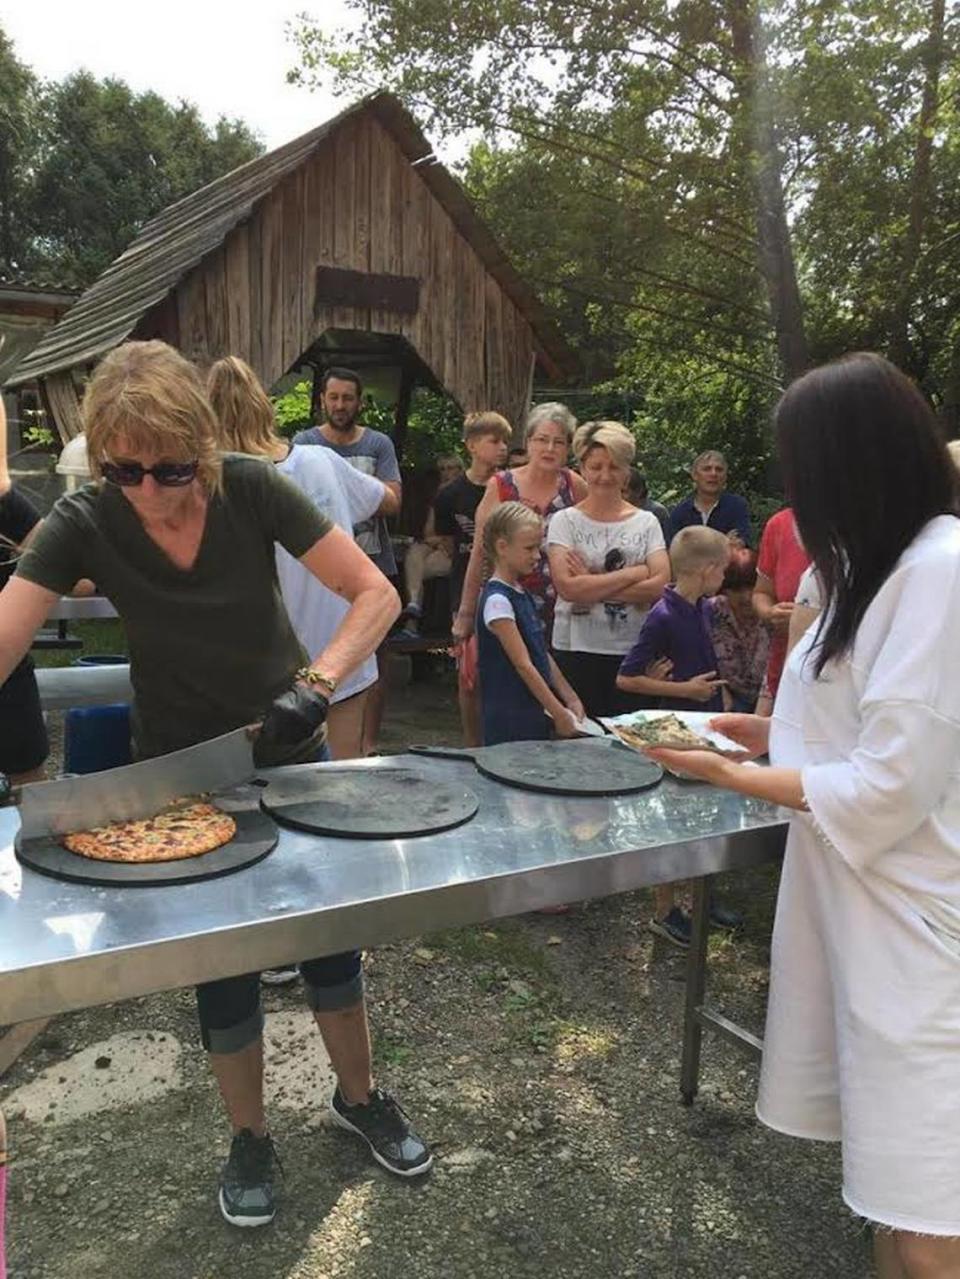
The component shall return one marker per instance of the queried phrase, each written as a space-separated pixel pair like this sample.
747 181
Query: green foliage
18 111
37 435
434 424
434 427
292 409
84 163
618 164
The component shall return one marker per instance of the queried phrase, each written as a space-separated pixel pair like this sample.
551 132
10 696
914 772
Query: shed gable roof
181 236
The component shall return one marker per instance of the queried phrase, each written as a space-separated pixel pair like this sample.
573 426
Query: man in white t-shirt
348 497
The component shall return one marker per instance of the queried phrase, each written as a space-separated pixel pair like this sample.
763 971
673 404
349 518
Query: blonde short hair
486 423
245 421
612 436
504 521
698 547
151 396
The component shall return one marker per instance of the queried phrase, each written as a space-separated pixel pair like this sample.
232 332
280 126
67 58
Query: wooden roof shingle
181 236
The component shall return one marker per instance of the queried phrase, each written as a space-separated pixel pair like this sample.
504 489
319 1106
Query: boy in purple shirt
678 628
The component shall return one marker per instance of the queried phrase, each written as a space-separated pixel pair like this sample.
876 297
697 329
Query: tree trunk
900 349
755 118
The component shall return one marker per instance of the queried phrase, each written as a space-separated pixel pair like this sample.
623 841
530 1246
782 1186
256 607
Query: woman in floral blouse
741 641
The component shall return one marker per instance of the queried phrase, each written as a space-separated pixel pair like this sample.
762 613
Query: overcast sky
229 57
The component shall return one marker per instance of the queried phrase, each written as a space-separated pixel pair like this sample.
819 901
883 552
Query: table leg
17 1040
695 988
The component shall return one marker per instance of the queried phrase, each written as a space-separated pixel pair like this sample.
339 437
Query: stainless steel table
61 687
81 608
65 946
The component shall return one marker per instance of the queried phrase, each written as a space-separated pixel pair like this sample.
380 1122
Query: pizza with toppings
667 731
184 829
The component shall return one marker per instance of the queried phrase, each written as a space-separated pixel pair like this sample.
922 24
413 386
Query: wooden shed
348 245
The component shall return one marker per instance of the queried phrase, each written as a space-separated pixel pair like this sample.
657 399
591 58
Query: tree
670 101
721 180
108 159
18 109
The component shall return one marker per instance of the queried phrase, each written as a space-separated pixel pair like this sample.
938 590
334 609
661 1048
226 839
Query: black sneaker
246 1180
384 1126
723 917
674 928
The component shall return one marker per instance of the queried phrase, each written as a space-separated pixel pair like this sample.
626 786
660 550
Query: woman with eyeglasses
546 485
181 539
609 566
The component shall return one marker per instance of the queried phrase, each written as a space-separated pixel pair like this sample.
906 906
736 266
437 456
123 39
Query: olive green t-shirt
210 646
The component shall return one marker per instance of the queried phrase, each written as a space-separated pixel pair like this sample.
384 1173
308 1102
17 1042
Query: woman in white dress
862 1041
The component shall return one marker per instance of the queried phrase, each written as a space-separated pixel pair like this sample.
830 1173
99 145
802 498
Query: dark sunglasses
130 474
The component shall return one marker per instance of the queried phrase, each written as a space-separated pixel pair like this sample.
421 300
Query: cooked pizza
667 731
184 829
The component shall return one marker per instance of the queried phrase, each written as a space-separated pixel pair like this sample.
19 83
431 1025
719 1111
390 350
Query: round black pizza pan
256 836
586 766
366 803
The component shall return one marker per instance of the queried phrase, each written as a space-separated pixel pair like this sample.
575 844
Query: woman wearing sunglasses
181 538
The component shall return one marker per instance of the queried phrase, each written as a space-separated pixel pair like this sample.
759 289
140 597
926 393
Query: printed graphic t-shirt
609 626
455 515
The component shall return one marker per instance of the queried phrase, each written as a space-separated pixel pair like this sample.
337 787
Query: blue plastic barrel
96 737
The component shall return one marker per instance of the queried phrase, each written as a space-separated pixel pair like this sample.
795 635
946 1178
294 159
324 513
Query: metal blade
136 790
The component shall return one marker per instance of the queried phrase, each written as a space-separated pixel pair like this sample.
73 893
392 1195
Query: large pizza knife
134 790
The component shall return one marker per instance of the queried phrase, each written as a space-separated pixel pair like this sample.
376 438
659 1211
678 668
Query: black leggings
230 1013
593 677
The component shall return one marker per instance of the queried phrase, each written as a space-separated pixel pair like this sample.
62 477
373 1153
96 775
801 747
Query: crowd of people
832 648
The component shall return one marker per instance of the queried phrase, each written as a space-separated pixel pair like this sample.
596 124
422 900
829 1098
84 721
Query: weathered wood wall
356 203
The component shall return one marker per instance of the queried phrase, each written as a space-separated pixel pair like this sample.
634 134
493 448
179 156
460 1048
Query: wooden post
407 382
316 395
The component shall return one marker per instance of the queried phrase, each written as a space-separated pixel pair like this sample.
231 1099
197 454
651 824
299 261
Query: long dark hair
865 467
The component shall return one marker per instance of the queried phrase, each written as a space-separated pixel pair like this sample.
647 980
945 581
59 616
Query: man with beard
373 453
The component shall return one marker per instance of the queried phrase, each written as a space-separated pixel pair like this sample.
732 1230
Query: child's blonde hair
151 396
486 423
698 547
506 520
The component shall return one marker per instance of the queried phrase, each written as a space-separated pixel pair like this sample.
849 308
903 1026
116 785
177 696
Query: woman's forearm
763 603
360 633
472 583
593 588
776 785
647 592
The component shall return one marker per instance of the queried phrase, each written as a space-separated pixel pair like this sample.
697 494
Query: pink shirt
783 560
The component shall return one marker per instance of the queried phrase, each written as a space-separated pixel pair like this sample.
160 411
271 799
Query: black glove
293 721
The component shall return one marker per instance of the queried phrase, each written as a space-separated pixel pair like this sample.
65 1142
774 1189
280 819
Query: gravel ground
539 1055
